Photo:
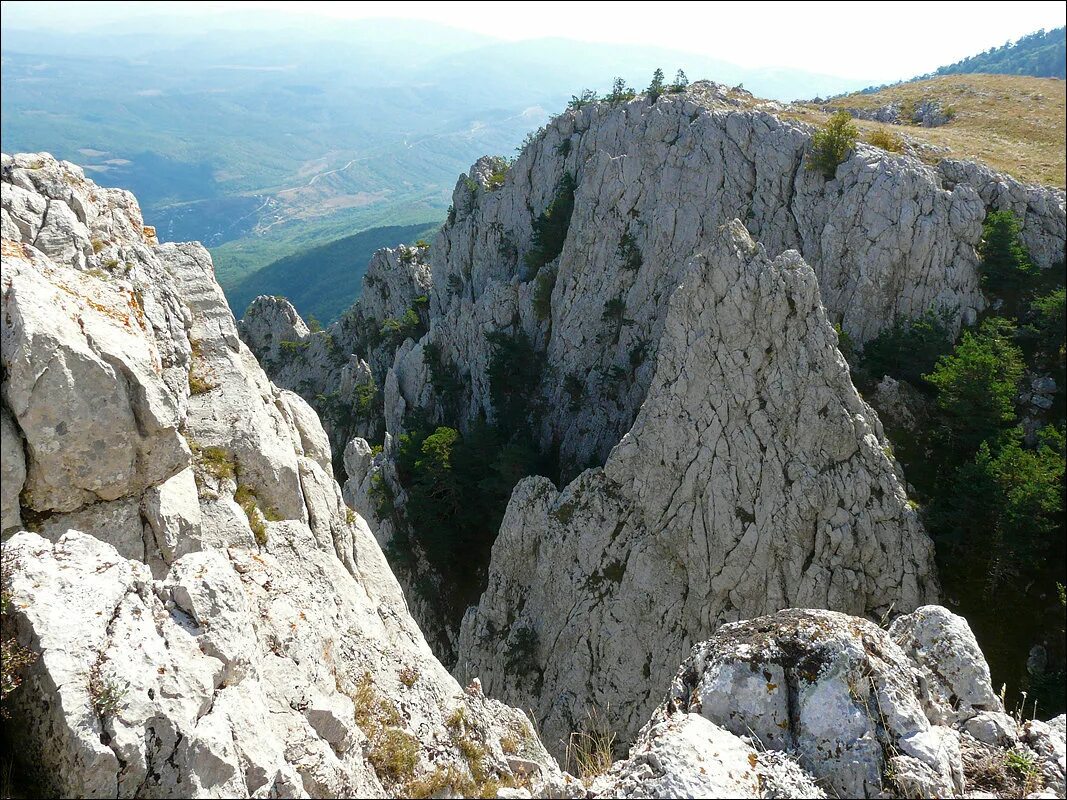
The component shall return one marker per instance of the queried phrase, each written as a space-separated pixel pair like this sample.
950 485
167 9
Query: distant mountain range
265 137
260 141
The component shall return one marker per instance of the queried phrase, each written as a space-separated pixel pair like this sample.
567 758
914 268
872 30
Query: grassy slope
324 280
1013 123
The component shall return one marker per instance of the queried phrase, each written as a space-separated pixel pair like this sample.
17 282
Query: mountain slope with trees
1040 54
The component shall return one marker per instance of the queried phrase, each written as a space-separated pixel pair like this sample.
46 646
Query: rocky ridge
725 483
209 620
651 186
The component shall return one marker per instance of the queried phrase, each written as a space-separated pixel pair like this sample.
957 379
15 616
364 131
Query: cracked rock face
209 619
806 703
723 502
887 237
331 367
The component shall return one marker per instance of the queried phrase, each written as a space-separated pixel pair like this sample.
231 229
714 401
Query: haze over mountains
356 124
264 141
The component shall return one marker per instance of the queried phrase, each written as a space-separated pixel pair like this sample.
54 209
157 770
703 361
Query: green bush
1002 508
394 331
444 377
542 298
458 485
620 92
1047 325
497 176
1005 264
629 253
514 373
831 145
976 384
614 315
551 226
587 97
908 350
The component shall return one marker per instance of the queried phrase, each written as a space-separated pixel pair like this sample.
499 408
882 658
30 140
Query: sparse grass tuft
213 461
245 497
395 755
887 140
589 751
105 694
198 385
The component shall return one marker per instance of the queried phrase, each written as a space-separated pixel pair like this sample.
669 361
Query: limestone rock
722 483
12 471
956 683
835 690
1048 740
683 756
993 727
339 370
84 384
1040 210
929 114
209 619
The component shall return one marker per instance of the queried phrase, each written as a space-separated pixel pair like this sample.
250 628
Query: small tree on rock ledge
831 146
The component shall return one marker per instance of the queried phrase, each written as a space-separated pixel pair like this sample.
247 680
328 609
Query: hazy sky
878 40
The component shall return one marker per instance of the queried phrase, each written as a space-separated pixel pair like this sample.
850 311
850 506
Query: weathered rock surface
209 619
768 492
723 502
804 702
654 184
340 371
1039 209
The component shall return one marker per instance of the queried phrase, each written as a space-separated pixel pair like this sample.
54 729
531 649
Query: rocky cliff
736 470
208 618
205 617
754 478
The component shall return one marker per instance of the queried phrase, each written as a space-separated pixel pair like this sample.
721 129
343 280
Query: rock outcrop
804 701
341 370
724 501
207 616
652 185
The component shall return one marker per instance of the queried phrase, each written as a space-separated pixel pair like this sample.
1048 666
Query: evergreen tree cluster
988 469
1040 54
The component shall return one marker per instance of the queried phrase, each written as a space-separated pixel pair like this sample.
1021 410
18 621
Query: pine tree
620 92
1005 263
655 89
681 81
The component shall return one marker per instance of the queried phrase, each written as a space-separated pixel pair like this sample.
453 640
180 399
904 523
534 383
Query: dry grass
1014 124
590 750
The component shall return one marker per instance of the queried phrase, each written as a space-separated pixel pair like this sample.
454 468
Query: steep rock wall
754 479
208 618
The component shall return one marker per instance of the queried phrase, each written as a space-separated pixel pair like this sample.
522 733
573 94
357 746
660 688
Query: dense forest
978 423
1040 54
